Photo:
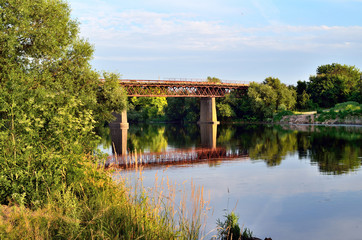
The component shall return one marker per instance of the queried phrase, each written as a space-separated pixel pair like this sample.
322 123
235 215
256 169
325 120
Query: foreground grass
111 212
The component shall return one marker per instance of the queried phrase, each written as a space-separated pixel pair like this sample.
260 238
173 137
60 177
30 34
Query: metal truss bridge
180 88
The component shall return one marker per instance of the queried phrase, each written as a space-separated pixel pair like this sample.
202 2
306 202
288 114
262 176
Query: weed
277 117
229 229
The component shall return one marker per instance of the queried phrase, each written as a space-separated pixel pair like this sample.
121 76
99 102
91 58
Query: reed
181 207
100 208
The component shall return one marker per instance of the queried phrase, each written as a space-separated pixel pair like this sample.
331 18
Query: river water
295 182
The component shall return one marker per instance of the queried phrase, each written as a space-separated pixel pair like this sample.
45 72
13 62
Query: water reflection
335 150
208 134
119 137
301 182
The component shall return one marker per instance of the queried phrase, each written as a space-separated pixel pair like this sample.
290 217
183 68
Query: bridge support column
121 119
208 111
119 132
119 139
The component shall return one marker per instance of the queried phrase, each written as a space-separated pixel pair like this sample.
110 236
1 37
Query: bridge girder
152 88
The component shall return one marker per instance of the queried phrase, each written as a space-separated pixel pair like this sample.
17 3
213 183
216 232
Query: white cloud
180 41
150 30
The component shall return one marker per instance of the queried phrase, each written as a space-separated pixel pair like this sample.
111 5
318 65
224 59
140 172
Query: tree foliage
146 108
285 97
50 100
262 99
183 109
213 79
270 96
335 83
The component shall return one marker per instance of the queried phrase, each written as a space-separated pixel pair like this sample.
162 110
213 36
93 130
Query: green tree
263 99
183 109
335 83
213 80
146 108
285 97
270 96
50 99
303 97
225 106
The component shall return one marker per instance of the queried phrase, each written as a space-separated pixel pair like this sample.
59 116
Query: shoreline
312 119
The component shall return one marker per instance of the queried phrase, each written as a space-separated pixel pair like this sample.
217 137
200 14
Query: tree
285 98
263 99
50 100
146 108
225 106
335 83
183 109
213 80
270 96
303 98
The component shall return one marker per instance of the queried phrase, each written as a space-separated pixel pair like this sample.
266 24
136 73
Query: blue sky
243 40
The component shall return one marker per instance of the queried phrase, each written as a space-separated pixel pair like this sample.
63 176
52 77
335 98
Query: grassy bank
109 211
343 113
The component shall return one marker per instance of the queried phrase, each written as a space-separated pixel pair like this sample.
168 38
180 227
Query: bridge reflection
123 158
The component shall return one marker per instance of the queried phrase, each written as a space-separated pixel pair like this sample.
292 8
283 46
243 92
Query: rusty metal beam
157 88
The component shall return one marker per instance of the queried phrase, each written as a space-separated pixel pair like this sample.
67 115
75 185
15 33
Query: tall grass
181 207
115 210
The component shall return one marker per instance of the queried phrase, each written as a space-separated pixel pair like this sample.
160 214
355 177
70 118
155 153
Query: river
293 182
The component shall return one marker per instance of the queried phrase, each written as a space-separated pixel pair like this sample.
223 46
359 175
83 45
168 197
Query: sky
234 40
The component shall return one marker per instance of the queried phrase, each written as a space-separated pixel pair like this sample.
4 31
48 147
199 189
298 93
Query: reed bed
182 207
100 208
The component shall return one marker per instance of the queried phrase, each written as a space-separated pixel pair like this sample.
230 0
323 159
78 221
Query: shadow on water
335 150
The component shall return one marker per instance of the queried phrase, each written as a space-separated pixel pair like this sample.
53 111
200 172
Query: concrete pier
119 132
208 111
121 119
119 138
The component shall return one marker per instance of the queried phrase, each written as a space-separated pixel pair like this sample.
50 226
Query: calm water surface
299 182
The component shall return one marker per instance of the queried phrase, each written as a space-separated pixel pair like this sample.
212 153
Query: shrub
280 115
229 229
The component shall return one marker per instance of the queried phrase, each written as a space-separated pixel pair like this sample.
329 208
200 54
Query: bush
352 106
341 110
229 229
278 116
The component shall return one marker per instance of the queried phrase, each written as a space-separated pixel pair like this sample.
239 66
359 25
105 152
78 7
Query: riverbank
318 119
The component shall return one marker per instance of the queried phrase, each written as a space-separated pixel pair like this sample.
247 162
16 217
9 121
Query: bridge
181 88
206 150
206 91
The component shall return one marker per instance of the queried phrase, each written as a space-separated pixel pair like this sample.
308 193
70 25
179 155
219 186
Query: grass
309 112
341 111
230 229
114 211
183 208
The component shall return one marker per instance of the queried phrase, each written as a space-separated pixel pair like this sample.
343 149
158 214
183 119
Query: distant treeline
333 83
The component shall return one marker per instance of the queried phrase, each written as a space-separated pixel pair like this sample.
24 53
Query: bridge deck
184 88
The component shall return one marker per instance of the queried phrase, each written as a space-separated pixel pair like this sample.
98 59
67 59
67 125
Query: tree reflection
147 137
273 145
336 150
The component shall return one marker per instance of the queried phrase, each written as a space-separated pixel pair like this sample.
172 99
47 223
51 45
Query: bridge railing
185 80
